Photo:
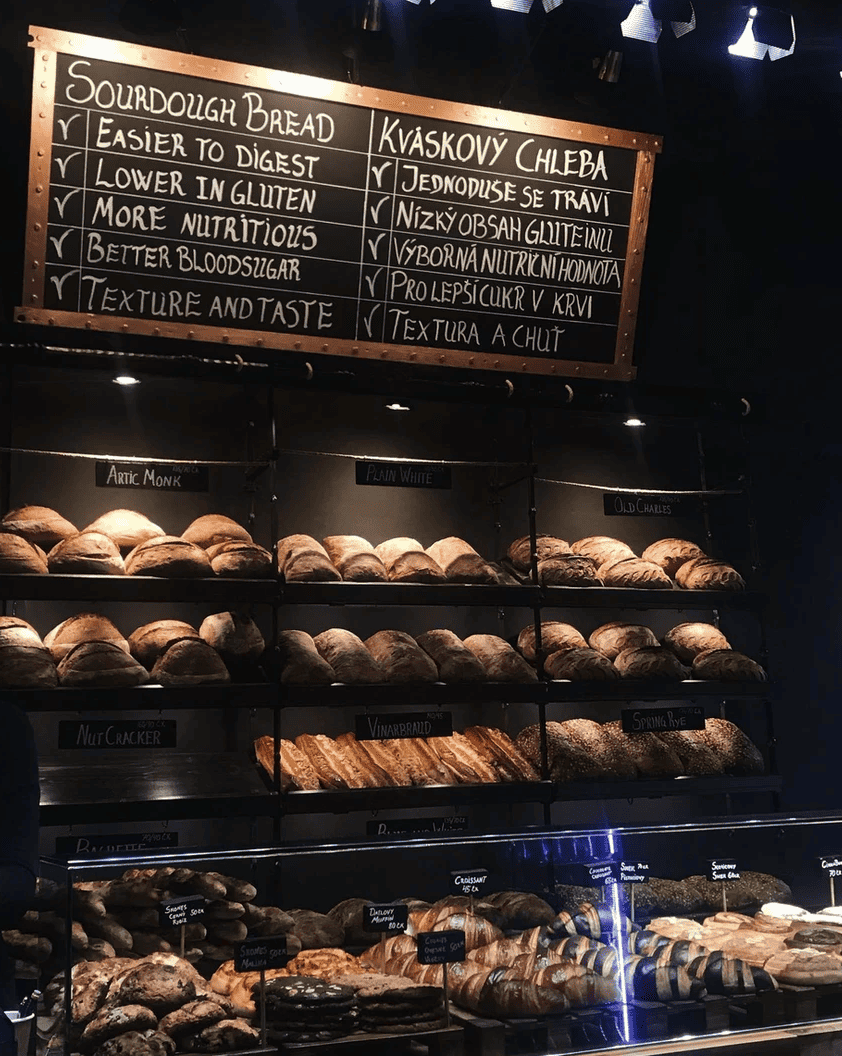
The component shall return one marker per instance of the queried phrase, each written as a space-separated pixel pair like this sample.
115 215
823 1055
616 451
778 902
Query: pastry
502 753
296 770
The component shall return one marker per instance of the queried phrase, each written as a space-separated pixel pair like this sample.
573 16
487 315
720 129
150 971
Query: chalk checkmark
58 241
369 317
58 283
378 173
65 125
375 209
373 245
369 280
62 202
64 162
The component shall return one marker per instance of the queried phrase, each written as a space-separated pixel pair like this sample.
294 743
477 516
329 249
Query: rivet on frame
324 348
157 331
35 265
125 326
37 227
413 355
260 342
38 189
471 361
384 353
52 322
34 298
297 344
441 359
355 351
42 114
191 333
40 153
89 325
553 369
496 362
43 84
225 339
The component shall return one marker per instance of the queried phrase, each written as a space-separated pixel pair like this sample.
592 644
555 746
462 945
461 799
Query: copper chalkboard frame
47 43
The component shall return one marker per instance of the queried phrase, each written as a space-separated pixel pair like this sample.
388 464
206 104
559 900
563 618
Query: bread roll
706 573
237 559
302 559
687 640
650 662
300 661
555 637
546 546
27 666
634 572
38 524
406 561
355 558
234 635
501 662
602 548
453 660
96 663
726 665
170 557
190 662
460 562
146 643
352 663
612 638
607 751
400 657
568 570
125 528
671 554
580 665
214 528
89 554
17 555
84 627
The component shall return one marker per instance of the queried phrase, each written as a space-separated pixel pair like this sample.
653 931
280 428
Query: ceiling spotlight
768 31
522 6
634 423
396 407
372 20
646 18
126 379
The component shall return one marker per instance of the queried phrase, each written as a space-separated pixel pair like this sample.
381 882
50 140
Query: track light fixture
522 6
646 17
768 31
372 20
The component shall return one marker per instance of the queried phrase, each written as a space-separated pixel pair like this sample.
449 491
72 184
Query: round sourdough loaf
126 528
707 573
27 667
100 664
213 528
670 554
237 559
89 553
148 642
84 627
726 665
19 555
555 637
38 524
170 557
15 631
602 549
650 662
234 635
568 570
612 638
687 640
190 662
580 665
634 572
546 546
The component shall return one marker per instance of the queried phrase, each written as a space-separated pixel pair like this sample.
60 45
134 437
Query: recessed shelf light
126 379
396 407
634 423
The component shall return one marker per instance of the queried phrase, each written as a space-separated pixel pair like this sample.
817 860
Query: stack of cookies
303 1008
388 1004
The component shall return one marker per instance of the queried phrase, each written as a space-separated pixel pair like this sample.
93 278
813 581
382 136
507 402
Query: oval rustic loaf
454 660
407 562
460 562
502 663
400 657
355 558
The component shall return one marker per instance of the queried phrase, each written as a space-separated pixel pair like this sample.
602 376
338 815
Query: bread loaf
94 664
331 763
502 752
687 640
406 561
168 556
89 553
706 573
737 751
126 528
462 758
612 638
546 546
214 528
400 657
146 643
190 662
650 662
234 635
372 774
501 662
697 757
555 637
297 771
422 763
380 761
355 558
634 572
567 760
460 562
15 631
17 555
352 663
38 524
605 750
580 665
300 661
726 665
568 570
602 548
26 667
302 559
454 661
671 554
237 559
84 627
650 755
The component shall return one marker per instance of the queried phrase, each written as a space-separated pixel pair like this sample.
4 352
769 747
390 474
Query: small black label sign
402 724
468 881
148 476
253 954
652 720
634 872
633 504
440 947
397 475
720 869
385 916
175 911
117 733
116 843
407 826
831 865
602 873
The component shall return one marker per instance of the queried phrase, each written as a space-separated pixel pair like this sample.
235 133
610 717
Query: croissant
650 981
499 952
576 947
466 982
527 964
519 997
478 930
560 976
646 943
591 989
729 975
604 961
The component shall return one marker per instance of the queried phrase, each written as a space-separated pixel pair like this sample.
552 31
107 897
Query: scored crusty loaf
26 666
89 553
234 635
126 528
567 760
38 524
580 665
602 548
84 627
352 663
698 758
650 662
460 562
16 631
726 665
423 764
406 561
333 765
18 555
670 554
355 558
568 570
502 752
213 528
168 556
146 643
97 664
501 662
300 662
707 573
400 657
301 558
555 636
651 756
634 572
453 660
687 640
296 769
237 559
379 759
373 776
463 759
606 750
612 638
546 546
190 662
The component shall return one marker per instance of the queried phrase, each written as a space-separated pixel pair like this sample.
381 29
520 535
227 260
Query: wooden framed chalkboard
183 197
